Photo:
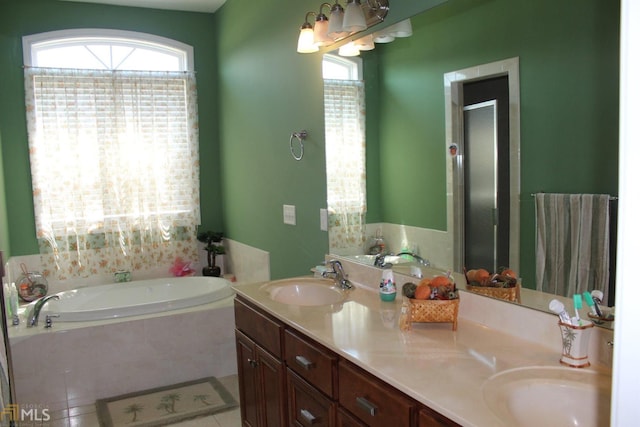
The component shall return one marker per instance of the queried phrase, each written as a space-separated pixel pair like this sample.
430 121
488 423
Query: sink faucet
338 274
33 317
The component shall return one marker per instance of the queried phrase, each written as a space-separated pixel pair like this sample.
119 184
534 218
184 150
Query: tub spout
32 319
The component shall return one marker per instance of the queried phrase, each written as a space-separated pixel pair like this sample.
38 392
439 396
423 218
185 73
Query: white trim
453 83
75 36
353 63
625 410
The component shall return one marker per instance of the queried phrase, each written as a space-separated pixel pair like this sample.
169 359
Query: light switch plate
324 220
289 214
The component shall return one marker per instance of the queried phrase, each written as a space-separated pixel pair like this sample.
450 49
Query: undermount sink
305 291
545 396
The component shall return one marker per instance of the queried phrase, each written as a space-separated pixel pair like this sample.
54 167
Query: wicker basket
435 311
506 294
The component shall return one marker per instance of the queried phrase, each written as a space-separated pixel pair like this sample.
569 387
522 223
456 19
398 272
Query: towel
572 244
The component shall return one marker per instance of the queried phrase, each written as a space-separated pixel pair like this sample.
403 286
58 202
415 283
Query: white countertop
442 369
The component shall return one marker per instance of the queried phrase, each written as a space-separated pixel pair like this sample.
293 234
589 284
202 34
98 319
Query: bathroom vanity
347 363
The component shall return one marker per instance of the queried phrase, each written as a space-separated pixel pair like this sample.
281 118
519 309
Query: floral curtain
114 165
346 169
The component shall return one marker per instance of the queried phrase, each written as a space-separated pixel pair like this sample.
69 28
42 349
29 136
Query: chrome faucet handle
35 313
48 320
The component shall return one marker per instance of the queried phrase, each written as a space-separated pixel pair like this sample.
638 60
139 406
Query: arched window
113 143
345 146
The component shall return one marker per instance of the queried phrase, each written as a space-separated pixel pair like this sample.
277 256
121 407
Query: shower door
481 185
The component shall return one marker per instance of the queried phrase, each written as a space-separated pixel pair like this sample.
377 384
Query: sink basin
545 396
305 291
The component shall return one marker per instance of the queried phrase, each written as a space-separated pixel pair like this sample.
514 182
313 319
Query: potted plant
212 240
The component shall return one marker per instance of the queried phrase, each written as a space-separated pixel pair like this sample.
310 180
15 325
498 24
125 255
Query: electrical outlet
289 214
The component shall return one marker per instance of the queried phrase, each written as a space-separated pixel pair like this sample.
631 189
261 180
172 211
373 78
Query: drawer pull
308 416
305 363
367 406
253 363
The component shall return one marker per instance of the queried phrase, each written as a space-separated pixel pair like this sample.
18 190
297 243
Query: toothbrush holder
575 344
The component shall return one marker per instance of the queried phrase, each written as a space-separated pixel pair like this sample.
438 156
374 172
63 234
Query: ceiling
208 6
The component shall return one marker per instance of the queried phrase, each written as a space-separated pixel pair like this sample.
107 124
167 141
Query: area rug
165 405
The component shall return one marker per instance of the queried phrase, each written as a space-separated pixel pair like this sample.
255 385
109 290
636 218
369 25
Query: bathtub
136 298
76 362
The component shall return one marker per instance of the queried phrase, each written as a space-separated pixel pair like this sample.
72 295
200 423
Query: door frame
454 104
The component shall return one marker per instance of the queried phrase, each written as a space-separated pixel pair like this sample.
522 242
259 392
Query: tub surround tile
96 360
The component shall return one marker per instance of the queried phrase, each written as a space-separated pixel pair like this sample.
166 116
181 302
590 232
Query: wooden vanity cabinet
261 372
288 379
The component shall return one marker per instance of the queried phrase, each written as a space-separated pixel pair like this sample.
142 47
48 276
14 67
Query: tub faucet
380 259
422 261
338 274
32 319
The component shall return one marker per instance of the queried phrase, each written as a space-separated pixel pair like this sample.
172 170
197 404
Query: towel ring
300 136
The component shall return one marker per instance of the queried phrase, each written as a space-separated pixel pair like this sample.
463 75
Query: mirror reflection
567 126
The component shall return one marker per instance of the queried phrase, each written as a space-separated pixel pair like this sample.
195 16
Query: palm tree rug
165 405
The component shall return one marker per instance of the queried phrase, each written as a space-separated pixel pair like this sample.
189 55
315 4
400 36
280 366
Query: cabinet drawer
313 363
267 332
307 406
429 418
371 400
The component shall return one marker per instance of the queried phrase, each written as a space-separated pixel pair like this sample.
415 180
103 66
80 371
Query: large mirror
568 91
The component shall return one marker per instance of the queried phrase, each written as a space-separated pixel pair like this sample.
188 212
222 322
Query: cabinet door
247 379
272 389
371 400
307 406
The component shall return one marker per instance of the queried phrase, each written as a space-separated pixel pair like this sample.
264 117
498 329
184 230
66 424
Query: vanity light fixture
354 20
349 49
305 39
336 17
321 28
342 22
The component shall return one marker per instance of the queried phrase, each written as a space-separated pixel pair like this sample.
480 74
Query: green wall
23 17
569 65
268 91
255 90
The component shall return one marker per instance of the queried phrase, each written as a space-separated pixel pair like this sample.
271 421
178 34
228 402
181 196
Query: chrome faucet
380 259
338 274
33 316
417 257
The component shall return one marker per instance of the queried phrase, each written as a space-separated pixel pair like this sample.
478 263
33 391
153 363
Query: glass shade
305 40
365 43
354 19
401 29
382 37
335 23
349 49
320 32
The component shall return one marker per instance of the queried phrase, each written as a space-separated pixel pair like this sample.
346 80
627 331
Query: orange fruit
440 281
482 275
471 275
423 291
509 273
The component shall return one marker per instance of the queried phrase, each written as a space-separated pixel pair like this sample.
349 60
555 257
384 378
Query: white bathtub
96 359
136 298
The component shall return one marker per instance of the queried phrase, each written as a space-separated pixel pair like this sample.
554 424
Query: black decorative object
213 247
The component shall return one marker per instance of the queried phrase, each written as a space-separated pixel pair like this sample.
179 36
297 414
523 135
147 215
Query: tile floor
85 416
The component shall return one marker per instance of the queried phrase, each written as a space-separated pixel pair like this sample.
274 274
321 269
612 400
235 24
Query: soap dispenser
387 285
